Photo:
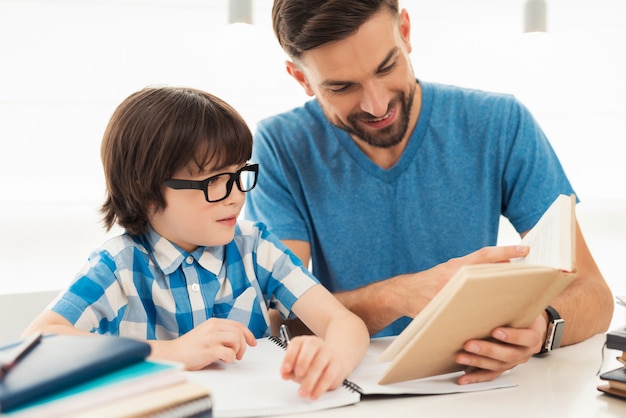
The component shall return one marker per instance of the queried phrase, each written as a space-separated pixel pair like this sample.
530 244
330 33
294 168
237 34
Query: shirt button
189 259
195 287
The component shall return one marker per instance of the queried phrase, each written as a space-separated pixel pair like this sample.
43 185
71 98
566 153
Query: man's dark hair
302 25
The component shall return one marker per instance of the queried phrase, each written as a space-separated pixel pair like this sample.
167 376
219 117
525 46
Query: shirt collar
168 256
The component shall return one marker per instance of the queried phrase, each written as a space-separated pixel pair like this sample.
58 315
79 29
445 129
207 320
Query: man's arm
586 304
379 304
368 302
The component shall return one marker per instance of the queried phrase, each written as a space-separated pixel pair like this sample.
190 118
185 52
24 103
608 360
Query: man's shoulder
445 88
301 117
468 95
477 104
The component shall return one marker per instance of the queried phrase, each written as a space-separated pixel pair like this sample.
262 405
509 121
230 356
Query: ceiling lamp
535 16
240 11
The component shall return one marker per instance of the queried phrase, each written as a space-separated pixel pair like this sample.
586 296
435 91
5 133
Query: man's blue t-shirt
471 157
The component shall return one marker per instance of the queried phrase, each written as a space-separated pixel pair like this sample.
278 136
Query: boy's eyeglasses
219 186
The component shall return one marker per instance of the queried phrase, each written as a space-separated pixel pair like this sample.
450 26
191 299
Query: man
389 184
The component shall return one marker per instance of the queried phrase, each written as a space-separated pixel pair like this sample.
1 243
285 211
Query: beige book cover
479 298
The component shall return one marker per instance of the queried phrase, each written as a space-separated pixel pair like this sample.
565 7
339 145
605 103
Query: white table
562 384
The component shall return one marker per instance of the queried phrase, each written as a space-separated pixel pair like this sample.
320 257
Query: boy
185 276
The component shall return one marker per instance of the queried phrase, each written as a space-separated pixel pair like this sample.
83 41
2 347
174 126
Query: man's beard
389 136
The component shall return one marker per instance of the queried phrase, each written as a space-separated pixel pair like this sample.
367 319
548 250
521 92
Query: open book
479 298
253 386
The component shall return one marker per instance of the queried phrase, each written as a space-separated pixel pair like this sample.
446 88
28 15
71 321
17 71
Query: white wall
65 65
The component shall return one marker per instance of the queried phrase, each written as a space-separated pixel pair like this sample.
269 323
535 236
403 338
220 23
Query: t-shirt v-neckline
415 140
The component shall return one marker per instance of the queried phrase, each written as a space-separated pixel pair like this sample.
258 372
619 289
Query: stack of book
616 379
96 376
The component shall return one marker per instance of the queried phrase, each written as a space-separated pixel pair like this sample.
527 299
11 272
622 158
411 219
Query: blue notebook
61 361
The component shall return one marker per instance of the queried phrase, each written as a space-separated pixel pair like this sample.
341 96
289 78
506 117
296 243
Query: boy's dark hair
302 25
157 131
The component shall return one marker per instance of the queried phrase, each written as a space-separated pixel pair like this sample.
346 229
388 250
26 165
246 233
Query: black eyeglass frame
203 185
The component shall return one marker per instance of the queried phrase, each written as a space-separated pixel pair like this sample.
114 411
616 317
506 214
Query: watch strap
554 332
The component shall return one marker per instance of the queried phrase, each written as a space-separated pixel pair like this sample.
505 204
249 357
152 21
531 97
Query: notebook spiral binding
278 341
351 386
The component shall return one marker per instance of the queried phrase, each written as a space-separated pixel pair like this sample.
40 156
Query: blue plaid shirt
146 287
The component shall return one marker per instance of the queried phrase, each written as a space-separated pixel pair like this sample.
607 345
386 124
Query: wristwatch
556 325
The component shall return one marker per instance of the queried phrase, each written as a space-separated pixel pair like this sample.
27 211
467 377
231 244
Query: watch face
558 328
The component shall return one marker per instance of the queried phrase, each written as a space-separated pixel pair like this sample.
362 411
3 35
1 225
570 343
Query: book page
253 386
551 240
369 372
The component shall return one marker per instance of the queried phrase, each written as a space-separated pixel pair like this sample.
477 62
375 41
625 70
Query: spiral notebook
253 386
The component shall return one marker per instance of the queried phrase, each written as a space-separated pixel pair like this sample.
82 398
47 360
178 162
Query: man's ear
299 76
405 29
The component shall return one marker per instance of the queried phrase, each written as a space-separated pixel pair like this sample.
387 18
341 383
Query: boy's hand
213 340
310 362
